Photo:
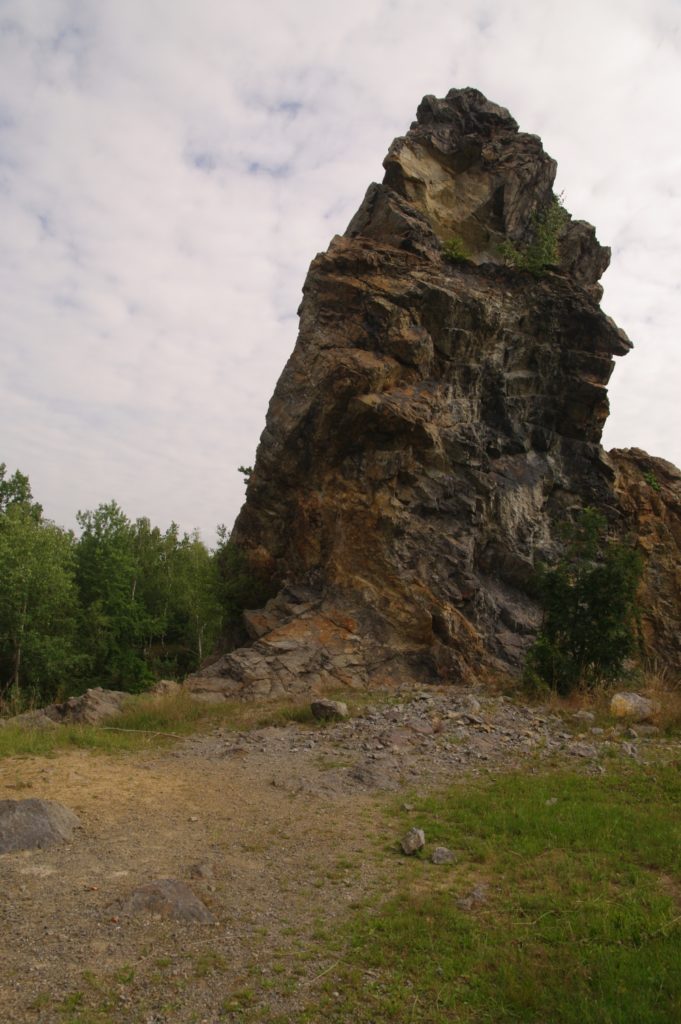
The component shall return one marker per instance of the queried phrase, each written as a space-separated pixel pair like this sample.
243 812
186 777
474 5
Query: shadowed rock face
434 423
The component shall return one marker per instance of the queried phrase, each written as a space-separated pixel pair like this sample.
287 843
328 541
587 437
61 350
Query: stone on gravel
584 716
632 706
328 710
413 841
201 870
34 824
167 898
442 855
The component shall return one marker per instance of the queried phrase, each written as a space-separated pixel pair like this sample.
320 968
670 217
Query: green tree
38 605
17 491
196 605
115 619
589 608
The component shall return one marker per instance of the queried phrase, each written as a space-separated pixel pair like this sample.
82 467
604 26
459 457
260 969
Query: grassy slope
581 922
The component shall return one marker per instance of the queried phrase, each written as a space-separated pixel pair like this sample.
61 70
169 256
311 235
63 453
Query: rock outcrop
435 422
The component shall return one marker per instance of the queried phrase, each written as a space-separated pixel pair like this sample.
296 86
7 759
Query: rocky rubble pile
430 735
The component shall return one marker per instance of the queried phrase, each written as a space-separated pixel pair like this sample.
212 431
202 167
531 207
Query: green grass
150 721
582 923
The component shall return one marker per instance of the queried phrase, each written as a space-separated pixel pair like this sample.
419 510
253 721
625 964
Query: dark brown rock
433 426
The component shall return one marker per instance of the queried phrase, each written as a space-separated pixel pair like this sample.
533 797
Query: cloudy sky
169 168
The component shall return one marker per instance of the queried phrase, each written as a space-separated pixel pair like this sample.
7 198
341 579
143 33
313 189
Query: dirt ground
271 865
282 832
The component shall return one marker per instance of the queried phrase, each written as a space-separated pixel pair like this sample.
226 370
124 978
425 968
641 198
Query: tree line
120 605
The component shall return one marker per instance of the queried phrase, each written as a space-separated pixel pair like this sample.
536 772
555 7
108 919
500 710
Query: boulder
90 708
632 706
34 824
328 710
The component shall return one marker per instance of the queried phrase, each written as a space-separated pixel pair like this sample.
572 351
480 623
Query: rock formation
436 421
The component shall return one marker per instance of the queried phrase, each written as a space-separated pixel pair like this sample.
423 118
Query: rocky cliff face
434 424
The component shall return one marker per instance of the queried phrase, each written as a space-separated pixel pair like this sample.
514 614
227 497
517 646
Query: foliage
455 251
589 608
652 481
115 621
121 605
542 249
17 491
38 604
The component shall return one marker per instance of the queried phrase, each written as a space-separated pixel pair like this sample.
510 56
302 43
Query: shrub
455 251
590 610
542 250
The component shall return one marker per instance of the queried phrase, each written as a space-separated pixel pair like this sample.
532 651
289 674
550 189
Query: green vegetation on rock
455 251
542 249
589 608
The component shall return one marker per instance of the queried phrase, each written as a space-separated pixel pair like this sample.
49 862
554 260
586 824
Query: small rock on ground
442 855
477 897
329 709
413 841
167 898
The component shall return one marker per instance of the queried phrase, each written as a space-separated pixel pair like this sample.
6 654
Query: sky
168 170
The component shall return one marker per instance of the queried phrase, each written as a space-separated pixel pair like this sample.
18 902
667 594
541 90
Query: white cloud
168 171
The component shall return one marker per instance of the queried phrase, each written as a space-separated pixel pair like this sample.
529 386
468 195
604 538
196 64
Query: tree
38 604
17 491
196 603
115 620
589 608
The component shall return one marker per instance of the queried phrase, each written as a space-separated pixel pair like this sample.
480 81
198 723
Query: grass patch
148 721
581 923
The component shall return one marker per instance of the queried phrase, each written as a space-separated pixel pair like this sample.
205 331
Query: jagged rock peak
435 424
464 170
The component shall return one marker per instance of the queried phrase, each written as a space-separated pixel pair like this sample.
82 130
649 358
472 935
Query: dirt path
270 865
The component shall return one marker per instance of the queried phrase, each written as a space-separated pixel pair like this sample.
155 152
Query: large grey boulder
34 824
